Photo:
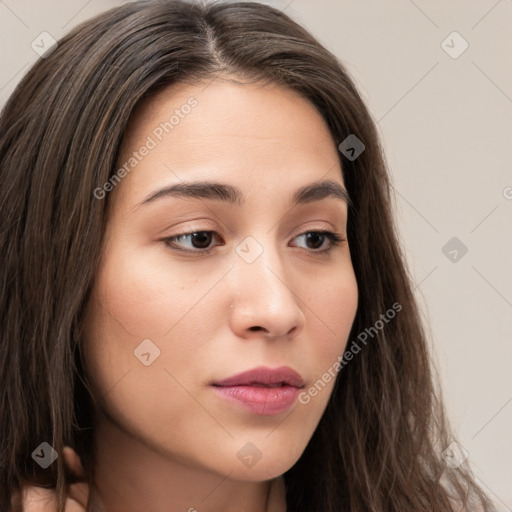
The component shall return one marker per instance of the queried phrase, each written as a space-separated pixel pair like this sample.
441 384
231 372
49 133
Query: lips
264 377
262 391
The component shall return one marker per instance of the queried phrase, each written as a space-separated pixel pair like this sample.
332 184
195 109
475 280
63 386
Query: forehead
254 134
223 108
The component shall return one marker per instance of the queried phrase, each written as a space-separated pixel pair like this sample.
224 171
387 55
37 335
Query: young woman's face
173 313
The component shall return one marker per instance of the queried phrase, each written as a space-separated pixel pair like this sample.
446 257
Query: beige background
446 124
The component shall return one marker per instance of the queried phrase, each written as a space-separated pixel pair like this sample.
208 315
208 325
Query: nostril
258 328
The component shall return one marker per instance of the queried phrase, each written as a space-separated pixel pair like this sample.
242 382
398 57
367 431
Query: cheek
332 309
142 296
133 303
332 313
148 295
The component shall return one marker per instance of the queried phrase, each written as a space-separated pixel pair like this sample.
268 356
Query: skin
163 437
39 499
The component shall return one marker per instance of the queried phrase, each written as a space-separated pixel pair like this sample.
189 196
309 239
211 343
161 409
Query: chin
265 468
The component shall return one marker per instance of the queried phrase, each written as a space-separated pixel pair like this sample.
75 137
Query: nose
263 300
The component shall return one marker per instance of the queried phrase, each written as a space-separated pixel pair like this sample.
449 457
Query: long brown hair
379 444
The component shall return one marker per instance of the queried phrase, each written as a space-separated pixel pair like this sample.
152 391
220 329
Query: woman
204 298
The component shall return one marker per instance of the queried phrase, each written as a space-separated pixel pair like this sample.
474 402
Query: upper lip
266 376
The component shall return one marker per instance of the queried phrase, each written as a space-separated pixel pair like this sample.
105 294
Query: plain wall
446 124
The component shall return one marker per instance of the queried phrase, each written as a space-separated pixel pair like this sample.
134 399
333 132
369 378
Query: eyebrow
233 195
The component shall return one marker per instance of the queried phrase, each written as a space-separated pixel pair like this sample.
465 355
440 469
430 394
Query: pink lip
252 389
264 375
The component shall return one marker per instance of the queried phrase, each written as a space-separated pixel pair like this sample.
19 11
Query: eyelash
335 238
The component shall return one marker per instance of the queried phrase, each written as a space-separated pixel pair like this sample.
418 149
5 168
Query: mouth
262 391
264 377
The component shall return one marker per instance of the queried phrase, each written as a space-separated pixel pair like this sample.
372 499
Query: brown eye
201 239
315 240
198 241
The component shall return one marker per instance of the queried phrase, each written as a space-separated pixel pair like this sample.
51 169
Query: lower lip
260 400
